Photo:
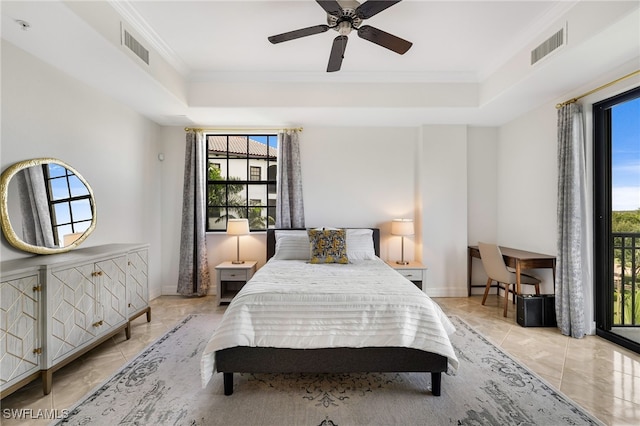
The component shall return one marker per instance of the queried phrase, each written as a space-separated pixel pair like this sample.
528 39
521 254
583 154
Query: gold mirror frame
5 223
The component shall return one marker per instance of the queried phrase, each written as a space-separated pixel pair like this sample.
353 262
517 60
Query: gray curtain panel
289 203
573 267
34 204
193 273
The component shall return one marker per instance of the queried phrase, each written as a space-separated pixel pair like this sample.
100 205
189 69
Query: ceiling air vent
135 46
548 46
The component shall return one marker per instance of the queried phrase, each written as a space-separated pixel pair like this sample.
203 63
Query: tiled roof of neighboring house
238 145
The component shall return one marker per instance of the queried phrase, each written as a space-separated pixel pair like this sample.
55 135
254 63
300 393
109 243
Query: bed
294 316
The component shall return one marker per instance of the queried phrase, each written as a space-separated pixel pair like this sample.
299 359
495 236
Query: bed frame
244 359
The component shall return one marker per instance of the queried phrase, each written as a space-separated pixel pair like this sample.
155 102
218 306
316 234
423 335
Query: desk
516 259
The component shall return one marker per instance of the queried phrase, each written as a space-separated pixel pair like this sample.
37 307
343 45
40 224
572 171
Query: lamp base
237 262
402 262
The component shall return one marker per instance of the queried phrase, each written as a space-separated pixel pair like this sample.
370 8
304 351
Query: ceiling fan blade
332 7
384 39
337 53
292 35
372 7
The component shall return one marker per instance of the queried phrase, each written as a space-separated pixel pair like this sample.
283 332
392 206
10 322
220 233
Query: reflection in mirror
47 206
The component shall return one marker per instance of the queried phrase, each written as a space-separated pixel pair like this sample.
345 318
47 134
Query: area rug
161 386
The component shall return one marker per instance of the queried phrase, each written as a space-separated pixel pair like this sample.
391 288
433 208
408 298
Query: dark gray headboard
271 240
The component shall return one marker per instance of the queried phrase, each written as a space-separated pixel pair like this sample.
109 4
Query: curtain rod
604 86
246 129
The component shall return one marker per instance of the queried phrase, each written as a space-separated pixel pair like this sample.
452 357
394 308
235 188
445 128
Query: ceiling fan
344 16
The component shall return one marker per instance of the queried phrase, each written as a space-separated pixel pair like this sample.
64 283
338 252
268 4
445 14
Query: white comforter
294 304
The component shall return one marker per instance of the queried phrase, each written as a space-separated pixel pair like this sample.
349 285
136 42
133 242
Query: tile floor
600 376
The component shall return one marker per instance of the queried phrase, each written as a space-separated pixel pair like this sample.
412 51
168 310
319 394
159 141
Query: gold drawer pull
37 351
97 324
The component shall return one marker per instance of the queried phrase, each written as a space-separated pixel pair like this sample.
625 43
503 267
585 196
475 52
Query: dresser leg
47 381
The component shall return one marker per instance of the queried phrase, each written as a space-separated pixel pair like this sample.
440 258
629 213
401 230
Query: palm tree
230 195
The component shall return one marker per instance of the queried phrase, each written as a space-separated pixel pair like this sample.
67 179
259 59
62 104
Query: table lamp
238 227
402 227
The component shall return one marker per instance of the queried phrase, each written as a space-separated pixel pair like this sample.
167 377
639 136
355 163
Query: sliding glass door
617 218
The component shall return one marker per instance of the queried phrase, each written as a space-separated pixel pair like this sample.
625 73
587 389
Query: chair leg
537 289
486 290
507 286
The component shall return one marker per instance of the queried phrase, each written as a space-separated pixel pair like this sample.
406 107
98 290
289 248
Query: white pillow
289 233
292 245
360 244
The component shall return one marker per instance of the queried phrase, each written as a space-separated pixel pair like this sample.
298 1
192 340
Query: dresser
55 308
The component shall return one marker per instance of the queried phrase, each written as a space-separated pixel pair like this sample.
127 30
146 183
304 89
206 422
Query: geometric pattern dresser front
19 328
112 277
71 308
138 284
84 301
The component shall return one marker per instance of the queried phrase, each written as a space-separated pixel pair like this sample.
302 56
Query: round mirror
46 206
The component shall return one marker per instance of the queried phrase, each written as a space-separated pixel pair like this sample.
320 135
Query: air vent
548 46
135 46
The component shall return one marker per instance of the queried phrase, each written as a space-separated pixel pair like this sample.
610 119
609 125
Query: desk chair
497 270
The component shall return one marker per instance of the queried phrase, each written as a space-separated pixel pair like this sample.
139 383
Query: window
235 186
69 203
617 218
255 173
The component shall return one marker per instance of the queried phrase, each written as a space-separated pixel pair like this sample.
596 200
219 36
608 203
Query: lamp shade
238 226
402 227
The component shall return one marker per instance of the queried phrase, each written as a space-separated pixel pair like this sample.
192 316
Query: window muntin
236 187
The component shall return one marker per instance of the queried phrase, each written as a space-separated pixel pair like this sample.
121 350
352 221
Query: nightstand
415 272
231 277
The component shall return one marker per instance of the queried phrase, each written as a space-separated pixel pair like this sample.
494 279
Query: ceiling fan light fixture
344 28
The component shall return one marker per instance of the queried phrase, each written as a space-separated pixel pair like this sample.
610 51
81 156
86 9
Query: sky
273 141
625 155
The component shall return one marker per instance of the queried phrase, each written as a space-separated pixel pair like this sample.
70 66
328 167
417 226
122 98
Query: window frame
225 185
602 210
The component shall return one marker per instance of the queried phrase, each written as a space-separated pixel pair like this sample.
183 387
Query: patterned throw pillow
328 246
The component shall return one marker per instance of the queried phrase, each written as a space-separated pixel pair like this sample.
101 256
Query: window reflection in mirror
69 203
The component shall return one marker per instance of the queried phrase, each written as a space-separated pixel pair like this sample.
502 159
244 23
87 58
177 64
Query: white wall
527 186
527 181
361 177
443 208
46 113
482 200
172 146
